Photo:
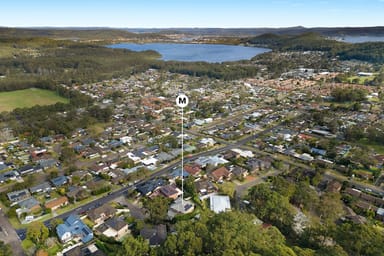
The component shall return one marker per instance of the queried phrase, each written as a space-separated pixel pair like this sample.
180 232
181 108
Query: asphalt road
98 202
9 236
358 185
121 192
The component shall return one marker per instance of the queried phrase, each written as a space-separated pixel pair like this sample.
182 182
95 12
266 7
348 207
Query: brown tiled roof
220 172
56 202
116 224
366 206
334 186
353 192
41 252
168 190
192 169
105 209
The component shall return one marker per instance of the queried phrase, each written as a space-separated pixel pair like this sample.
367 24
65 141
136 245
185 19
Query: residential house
334 186
210 160
131 170
176 174
88 250
90 153
18 195
156 235
126 139
76 193
74 228
29 205
99 168
231 155
239 172
180 206
135 158
207 142
79 148
149 151
205 187
221 174
46 140
352 216
59 181
56 203
380 214
96 184
100 214
243 153
117 176
115 144
170 191
164 157
318 151
114 227
255 164
148 187
149 161
29 169
10 175
189 148
41 188
372 199
81 174
353 192
88 142
47 163
365 206
175 152
219 203
38 152
193 169
366 197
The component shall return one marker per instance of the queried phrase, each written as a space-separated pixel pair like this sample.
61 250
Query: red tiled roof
221 172
56 202
192 169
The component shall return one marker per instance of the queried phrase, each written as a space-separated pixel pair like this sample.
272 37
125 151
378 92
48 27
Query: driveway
9 236
136 212
242 189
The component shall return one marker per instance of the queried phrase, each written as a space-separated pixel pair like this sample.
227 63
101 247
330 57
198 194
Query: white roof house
149 161
207 141
243 153
220 203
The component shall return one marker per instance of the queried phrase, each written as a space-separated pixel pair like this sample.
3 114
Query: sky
191 13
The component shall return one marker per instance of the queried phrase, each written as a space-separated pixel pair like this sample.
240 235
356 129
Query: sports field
28 98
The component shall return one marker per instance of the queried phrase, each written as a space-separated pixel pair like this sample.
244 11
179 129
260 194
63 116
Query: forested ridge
370 51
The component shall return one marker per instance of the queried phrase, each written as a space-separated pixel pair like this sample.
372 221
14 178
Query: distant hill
370 51
306 41
73 33
99 33
340 31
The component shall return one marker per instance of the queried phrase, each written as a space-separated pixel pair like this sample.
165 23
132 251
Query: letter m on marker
182 100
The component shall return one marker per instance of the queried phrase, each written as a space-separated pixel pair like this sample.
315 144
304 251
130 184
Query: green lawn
54 249
379 149
361 79
28 98
26 244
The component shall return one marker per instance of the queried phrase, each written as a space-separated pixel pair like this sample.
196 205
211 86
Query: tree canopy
37 232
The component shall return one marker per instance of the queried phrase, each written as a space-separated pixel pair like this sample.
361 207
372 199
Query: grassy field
7 51
28 98
360 79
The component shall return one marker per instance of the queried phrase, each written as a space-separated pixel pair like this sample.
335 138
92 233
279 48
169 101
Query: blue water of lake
363 39
212 53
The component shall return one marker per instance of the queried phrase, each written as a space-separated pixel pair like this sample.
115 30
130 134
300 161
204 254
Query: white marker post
182 102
